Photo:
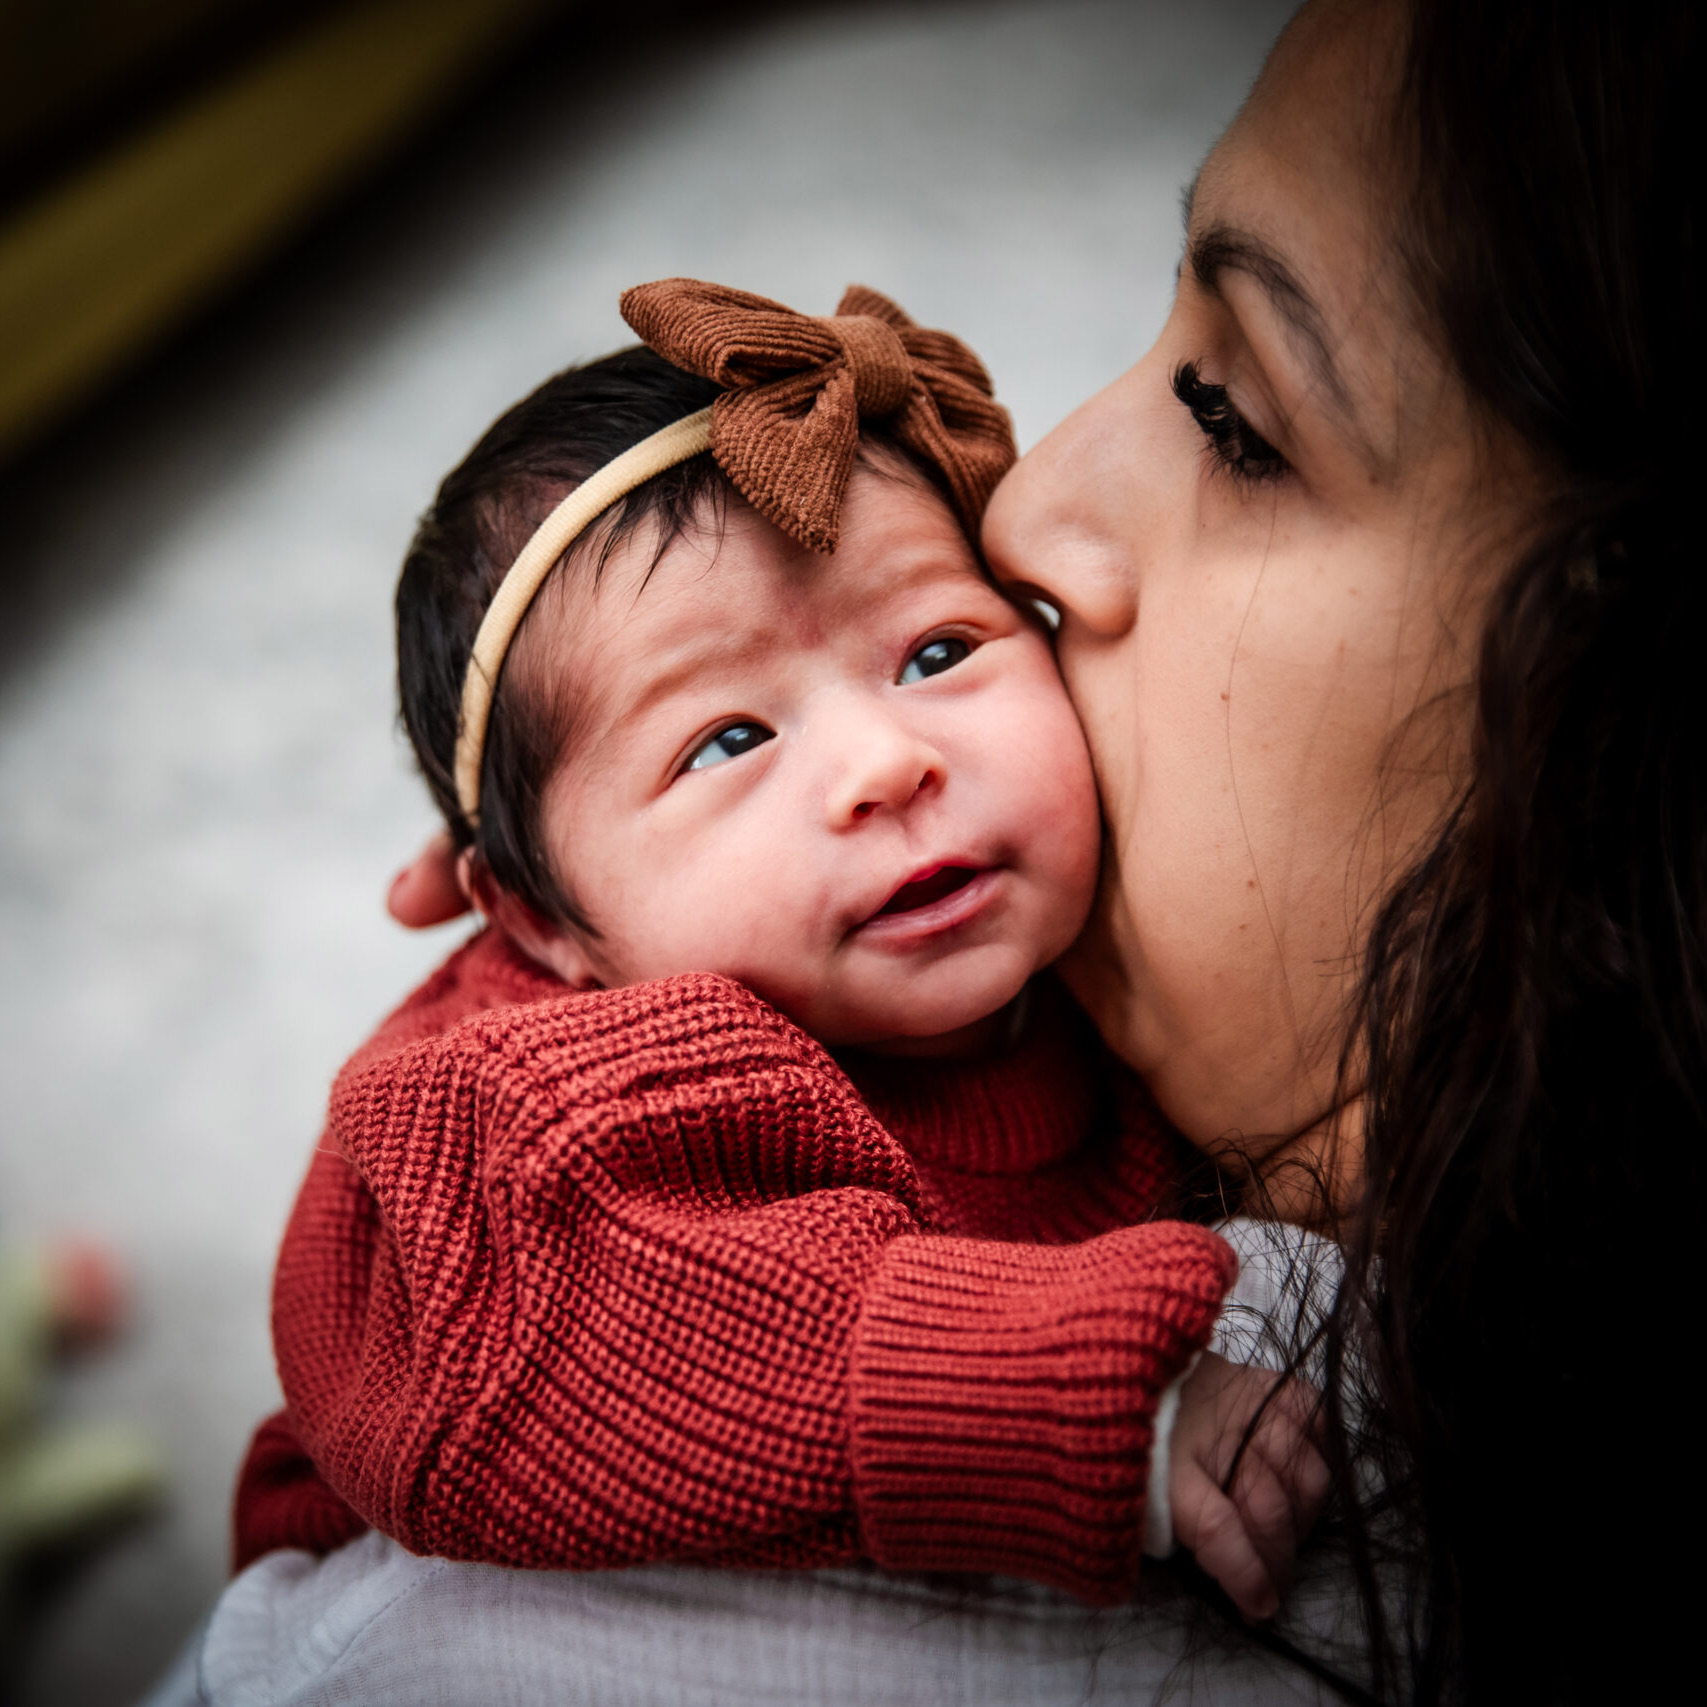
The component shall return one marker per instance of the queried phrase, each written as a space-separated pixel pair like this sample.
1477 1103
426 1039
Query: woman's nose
1058 527
879 765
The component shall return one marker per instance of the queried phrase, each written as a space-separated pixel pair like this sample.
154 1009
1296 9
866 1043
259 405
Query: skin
899 716
1243 1507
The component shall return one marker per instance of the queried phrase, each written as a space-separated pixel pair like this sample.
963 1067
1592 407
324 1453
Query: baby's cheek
1057 799
1072 857
742 913
704 928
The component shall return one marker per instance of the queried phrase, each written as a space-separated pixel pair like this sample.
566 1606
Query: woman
1384 642
1374 602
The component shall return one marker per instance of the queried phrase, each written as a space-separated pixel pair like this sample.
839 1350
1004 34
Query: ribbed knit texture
284 1501
1004 1398
592 1280
797 388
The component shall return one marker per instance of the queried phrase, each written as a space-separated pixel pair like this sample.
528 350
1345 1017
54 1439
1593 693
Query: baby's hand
1247 1536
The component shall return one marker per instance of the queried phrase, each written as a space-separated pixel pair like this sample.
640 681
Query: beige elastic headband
673 444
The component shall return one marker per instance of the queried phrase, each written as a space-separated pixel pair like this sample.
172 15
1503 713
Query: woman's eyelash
1234 443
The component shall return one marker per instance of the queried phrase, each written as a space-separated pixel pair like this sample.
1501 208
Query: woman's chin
1097 969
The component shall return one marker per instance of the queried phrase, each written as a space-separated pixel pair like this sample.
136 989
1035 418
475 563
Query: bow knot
877 359
786 429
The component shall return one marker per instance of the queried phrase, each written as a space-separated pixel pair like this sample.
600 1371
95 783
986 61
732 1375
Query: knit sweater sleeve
633 1276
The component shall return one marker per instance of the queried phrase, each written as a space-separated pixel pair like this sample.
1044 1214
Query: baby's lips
929 884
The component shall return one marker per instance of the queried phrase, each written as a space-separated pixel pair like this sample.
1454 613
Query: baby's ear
558 948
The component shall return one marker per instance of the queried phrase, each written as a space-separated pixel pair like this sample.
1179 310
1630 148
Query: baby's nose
882 766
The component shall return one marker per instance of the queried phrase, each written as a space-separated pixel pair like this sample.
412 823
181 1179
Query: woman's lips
937 899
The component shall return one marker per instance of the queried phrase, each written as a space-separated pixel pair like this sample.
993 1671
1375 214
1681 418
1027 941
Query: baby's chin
946 1013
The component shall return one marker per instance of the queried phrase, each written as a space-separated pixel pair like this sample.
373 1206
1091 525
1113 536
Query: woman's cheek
1097 965
1179 964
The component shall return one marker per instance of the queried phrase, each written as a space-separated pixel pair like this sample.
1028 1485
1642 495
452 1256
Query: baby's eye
728 744
933 658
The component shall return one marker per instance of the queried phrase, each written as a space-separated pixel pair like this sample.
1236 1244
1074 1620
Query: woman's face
1271 543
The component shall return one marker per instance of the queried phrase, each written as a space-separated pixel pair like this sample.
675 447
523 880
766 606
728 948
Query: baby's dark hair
485 511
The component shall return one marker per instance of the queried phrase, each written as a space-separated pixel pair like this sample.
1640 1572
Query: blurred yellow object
111 258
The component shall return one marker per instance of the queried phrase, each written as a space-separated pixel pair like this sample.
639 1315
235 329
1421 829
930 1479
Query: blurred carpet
205 795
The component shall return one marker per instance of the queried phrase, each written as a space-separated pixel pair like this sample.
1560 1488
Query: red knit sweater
591 1280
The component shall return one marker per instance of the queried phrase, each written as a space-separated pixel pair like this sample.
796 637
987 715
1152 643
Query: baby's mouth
928 887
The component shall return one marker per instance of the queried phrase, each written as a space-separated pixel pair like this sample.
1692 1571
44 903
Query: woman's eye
1233 441
933 658
728 744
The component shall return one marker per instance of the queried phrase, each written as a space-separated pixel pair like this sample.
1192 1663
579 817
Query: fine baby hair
484 513
796 400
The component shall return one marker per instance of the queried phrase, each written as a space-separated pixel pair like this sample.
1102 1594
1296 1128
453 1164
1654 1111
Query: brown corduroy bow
786 428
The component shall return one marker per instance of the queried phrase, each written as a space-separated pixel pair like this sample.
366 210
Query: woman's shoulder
392 1628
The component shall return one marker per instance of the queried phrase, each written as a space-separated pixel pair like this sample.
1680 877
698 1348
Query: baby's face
854 783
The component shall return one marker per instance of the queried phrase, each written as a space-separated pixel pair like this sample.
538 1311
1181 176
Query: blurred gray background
204 793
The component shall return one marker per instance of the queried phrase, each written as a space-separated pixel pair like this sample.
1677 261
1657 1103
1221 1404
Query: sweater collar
1027 1105
1030 1104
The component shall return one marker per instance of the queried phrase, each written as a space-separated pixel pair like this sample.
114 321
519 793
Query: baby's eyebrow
691 662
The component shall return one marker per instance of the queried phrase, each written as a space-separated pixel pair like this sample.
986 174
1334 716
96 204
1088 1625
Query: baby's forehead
730 587
899 536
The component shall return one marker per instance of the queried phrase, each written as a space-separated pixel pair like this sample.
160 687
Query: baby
604 1261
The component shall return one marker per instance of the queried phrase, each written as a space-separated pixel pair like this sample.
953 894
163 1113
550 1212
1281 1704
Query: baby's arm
635 1276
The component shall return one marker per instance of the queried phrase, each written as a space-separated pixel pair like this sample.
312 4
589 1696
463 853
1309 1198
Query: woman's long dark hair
1532 1034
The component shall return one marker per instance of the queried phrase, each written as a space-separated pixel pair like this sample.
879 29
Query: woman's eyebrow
1217 250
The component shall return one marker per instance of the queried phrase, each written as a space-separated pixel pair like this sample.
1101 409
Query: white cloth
373 1625
1288 1280
1157 1541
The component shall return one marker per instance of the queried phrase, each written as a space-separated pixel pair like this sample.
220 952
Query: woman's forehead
1306 166
1291 224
